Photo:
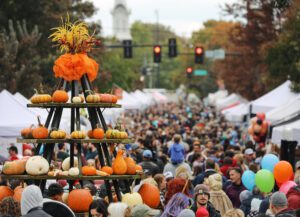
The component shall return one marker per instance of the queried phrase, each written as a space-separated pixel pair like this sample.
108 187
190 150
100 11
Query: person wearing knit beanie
202 212
32 202
186 213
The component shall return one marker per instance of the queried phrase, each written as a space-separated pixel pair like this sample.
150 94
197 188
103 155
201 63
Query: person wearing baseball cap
147 164
202 200
279 205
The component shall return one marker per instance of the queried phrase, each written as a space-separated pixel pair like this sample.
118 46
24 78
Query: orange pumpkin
90 134
150 195
106 98
88 171
16 167
79 200
138 167
18 193
119 165
26 133
114 99
5 191
130 166
60 96
40 132
107 169
98 133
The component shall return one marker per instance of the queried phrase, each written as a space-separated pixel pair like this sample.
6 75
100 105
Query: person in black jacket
202 200
149 165
31 202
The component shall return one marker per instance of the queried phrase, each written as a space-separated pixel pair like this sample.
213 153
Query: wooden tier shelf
44 177
51 141
74 105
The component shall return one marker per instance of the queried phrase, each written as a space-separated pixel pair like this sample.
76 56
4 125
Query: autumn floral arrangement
74 39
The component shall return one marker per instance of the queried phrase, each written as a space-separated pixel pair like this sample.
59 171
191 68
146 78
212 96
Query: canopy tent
230 101
144 99
289 131
285 112
128 102
277 97
159 97
236 113
213 97
13 116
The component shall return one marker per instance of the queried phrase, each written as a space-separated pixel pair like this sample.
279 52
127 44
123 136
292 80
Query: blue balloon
248 179
269 161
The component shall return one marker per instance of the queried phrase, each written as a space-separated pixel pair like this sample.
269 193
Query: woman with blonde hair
234 213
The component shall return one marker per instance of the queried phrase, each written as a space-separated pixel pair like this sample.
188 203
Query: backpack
177 153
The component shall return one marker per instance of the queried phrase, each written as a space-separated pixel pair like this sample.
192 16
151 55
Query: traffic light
157 53
127 44
172 47
189 72
199 55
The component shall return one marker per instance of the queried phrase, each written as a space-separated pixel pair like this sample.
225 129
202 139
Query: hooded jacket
293 197
32 202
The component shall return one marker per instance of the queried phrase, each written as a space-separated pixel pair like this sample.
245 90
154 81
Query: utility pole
157 42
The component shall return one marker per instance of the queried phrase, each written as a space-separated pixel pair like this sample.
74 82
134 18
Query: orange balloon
283 171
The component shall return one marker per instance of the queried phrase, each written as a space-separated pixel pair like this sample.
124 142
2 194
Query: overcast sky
183 16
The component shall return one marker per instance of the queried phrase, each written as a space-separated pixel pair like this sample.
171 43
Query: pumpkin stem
41 88
35 91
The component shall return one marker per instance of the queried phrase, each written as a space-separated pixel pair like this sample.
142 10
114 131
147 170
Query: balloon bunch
259 128
271 169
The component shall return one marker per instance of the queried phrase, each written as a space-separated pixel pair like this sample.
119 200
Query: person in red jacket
293 197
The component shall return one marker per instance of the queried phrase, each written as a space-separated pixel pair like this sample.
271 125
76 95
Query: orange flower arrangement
74 39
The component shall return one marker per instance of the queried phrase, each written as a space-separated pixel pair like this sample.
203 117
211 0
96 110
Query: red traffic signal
198 50
189 70
157 53
199 55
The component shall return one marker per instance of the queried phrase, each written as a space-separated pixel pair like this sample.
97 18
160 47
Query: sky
183 16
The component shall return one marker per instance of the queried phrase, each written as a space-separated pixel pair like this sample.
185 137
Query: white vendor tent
284 112
277 97
13 116
159 97
236 113
213 97
231 100
290 131
128 102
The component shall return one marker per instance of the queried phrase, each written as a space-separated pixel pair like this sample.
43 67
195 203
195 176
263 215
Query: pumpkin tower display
75 70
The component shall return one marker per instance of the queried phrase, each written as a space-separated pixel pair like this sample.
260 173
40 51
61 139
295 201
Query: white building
120 13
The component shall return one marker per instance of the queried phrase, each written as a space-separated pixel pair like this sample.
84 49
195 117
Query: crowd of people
194 157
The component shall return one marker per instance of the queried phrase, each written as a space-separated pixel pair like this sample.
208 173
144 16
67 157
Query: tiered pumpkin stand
96 119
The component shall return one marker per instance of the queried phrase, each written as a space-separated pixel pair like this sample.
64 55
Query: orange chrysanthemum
73 66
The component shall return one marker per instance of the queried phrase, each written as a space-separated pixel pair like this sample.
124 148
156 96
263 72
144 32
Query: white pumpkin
66 163
65 197
132 199
74 171
76 99
37 165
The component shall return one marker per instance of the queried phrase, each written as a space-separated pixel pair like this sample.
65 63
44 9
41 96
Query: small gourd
40 132
78 134
74 171
131 165
66 163
119 165
88 170
58 134
76 99
107 170
26 133
60 96
40 98
90 134
92 97
98 133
